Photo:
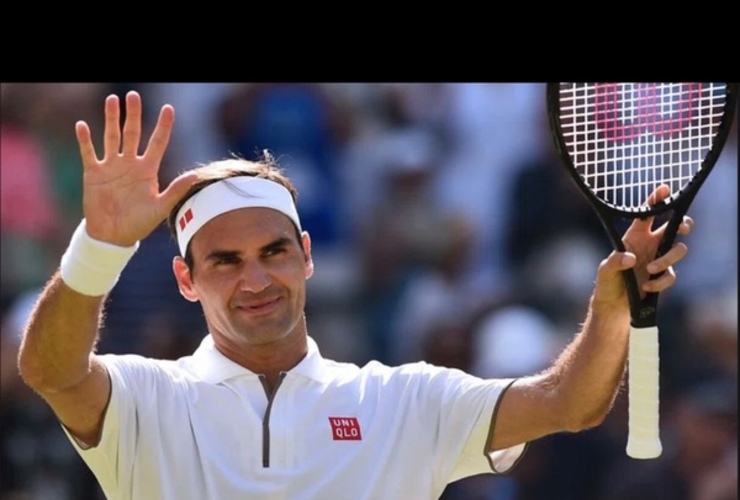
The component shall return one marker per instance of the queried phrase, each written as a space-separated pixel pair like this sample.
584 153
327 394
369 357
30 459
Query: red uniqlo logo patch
345 429
187 217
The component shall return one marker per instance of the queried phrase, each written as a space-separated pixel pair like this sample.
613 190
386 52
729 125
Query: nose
254 277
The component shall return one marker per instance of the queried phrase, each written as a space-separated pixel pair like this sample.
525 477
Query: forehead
244 227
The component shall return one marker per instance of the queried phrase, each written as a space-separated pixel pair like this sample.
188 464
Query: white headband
231 194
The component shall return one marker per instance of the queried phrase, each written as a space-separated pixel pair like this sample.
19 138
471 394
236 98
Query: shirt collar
213 367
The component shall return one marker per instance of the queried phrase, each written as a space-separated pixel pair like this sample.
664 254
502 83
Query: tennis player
256 411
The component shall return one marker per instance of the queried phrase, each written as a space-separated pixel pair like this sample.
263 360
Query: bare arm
56 358
575 393
578 390
122 204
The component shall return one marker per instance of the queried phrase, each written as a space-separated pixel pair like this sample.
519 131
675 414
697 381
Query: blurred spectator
698 454
713 324
424 104
195 137
438 293
63 104
379 133
402 238
552 238
702 341
514 341
492 130
558 277
37 461
698 317
29 222
543 204
711 263
720 483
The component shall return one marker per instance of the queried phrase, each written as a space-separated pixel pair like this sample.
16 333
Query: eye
274 251
226 260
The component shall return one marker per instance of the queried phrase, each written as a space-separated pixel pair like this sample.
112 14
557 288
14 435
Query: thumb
609 279
611 268
176 190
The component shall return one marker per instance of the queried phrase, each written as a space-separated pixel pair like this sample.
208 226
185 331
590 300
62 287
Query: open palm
122 202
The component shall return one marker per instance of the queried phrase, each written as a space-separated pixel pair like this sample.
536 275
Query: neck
267 359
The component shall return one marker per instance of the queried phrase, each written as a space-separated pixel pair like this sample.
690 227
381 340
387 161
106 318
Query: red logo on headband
187 217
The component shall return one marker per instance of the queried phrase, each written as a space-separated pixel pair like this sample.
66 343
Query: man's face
249 275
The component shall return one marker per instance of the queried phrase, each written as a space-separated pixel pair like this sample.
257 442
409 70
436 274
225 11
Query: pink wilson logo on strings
624 114
345 429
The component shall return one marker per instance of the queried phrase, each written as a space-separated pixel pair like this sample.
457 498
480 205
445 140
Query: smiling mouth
261 307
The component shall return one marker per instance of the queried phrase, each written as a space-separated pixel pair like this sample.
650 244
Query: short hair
265 167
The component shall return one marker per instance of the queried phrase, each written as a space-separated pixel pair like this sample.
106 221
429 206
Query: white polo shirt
203 427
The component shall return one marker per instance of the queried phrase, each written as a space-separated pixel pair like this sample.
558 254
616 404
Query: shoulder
135 366
374 369
420 373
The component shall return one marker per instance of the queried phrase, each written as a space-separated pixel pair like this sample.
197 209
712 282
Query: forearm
578 390
60 337
587 375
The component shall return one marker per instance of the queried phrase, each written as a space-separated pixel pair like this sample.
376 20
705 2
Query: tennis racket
619 142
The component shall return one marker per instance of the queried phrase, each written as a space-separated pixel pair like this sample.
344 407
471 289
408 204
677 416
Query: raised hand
122 202
641 243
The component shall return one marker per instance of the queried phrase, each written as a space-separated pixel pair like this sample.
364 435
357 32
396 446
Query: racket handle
643 440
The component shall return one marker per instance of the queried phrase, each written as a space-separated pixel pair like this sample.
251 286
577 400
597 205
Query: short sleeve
112 459
465 406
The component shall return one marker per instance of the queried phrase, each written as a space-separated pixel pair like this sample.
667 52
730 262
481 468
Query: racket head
620 141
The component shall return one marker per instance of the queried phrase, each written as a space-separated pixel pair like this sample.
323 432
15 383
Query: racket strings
626 139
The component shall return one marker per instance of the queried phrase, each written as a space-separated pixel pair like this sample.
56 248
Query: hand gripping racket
619 142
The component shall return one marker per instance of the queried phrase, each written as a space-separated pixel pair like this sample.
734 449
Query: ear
184 280
306 242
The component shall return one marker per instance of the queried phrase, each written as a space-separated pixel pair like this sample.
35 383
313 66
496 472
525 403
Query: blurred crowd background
443 229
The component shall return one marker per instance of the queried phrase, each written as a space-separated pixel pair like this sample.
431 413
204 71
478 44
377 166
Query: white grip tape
643 439
92 267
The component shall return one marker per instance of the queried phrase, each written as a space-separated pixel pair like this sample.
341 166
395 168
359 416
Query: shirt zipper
266 419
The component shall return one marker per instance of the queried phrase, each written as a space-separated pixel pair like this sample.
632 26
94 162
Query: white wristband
92 267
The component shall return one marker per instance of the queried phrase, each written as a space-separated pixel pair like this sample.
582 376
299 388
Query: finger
112 133
670 258
615 263
686 225
609 284
684 228
659 284
84 140
659 194
132 126
161 135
